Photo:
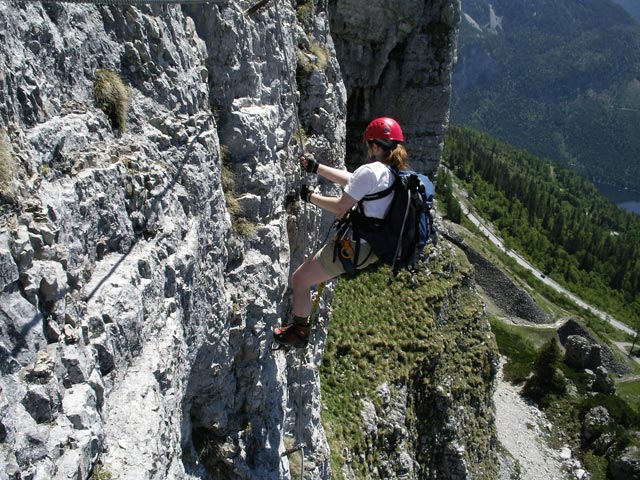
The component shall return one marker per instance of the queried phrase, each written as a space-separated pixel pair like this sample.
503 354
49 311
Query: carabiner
346 250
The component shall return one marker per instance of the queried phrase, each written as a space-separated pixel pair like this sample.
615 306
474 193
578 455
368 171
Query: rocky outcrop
627 465
142 268
580 353
595 421
585 351
410 396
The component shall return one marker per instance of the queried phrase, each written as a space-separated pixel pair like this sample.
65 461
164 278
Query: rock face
584 351
580 353
142 269
397 61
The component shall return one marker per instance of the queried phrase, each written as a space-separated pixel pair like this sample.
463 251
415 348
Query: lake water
627 199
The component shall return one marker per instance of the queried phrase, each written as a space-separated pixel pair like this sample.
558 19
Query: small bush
112 96
315 59
100 473
547 378
7 165
241 225
304 12
228 186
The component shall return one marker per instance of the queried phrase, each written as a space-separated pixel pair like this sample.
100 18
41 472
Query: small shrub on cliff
304 12
112 96
241 225
99 472
7 165
316 58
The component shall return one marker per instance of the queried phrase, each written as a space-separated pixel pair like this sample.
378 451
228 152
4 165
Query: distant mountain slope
559 78
552 216
631 6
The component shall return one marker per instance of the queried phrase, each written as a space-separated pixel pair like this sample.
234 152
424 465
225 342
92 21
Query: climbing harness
346 250
346 245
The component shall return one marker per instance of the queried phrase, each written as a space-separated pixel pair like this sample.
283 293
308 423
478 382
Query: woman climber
370 185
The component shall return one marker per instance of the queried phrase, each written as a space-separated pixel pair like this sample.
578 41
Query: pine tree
546 379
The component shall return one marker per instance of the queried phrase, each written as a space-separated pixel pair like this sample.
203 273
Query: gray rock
595 422
580 353
77 364
42 402
12 471
603 383
21 324
97 384
53 283
80 407
626 466
105 355
574 327
45 281
381 51
69 466
29 440
9 272
43 369
78 457
21 248
369 418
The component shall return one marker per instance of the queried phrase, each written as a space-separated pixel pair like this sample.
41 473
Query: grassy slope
424 332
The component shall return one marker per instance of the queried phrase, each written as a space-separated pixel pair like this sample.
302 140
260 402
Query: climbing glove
305 193
309 164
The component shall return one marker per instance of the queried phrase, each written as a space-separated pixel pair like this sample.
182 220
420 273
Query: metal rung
256 7
298 447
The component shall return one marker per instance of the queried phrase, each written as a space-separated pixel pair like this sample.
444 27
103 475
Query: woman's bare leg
308 274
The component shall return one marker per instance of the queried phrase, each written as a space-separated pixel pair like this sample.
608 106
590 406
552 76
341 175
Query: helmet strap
386 144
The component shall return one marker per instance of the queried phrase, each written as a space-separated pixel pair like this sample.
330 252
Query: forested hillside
553 216
560 79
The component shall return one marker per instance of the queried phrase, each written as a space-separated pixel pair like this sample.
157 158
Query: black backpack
399 237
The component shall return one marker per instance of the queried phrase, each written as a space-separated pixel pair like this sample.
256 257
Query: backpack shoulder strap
383 193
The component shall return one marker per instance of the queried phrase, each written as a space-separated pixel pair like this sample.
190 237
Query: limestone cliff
396 58
144 259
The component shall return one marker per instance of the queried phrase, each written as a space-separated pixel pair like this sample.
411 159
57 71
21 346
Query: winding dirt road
488 231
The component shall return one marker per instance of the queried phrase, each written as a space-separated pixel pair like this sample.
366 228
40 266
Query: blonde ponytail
397 158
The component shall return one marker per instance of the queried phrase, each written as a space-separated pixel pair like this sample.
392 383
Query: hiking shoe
292 335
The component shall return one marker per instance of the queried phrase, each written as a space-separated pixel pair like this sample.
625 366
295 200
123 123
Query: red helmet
383 128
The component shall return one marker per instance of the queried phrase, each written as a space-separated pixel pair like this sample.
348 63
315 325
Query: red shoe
292 335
